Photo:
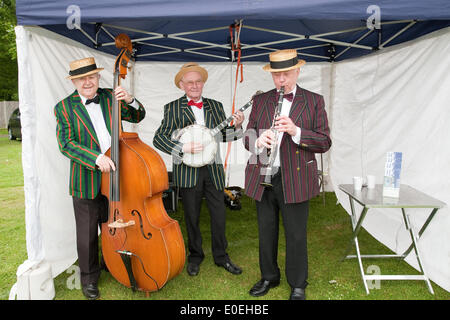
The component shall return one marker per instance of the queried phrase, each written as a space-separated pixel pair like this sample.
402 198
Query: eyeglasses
193 83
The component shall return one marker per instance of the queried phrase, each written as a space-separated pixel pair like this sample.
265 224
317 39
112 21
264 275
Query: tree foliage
8 52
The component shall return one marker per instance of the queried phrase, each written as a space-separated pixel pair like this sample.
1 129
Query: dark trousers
88 214
295 217
192 201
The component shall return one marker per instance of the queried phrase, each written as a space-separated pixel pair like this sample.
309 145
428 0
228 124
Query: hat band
83 70
283 64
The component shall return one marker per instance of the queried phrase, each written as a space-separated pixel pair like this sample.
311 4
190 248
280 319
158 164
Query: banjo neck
207 136
228 120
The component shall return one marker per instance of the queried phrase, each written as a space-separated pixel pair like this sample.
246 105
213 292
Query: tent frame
323 40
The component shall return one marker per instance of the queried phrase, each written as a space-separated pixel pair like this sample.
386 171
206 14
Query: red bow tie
197 104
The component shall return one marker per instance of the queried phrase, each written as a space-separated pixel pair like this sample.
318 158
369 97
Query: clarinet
272 152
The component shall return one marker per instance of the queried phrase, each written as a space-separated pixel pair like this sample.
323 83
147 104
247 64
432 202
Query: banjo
205 136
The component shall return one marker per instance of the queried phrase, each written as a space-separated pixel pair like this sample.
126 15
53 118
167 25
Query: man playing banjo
204 179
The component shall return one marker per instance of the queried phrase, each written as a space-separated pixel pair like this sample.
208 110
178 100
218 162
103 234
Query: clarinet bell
266 184
267 178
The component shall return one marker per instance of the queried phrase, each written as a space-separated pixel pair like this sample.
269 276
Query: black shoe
192 269
90 291
297 294
230 267
262 287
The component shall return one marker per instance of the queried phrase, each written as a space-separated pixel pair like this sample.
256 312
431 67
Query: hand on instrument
238 118
266 139
192 147
122 94
285 124
104 163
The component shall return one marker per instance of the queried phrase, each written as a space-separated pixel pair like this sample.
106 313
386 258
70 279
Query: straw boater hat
283 60
83 67
188 67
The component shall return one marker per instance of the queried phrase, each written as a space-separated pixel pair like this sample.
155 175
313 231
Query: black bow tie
95 99
288 96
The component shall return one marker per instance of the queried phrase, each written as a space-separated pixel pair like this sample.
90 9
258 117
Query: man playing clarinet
299 131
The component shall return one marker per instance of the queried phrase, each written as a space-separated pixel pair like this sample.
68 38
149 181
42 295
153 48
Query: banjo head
200 134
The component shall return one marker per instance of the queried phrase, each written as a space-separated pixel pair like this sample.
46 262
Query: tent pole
107 32
341 43
86 35
397 34
274 42
225 46
158 53
171 49
227 178
330 108
199 31
133 30
206 54
358 40
134 40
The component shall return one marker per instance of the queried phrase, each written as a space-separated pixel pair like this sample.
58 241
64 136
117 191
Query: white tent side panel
390 101
398 100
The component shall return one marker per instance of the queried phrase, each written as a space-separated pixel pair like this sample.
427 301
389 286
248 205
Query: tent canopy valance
200 30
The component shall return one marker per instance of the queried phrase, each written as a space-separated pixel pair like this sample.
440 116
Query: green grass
12 212
328 235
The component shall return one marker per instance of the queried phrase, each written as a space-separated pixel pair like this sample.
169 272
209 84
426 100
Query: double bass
142 246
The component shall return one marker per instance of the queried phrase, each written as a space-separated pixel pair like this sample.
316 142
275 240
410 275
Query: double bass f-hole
147 236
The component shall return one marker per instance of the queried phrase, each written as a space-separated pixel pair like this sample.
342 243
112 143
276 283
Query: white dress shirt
198 113
96 115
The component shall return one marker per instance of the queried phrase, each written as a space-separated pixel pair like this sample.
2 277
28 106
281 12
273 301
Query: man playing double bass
207 180
83 132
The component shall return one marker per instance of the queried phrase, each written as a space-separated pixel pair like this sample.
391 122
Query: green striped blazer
177 115
78 141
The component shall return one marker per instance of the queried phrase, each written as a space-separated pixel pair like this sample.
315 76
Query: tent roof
199 30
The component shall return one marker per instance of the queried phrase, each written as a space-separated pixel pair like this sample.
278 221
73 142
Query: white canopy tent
392 100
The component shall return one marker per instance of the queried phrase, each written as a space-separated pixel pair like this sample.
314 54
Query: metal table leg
356 226
416 248
425 225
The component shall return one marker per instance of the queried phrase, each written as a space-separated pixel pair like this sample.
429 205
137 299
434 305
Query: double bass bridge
118 224
121 224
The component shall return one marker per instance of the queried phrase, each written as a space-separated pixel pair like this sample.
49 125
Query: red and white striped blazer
297 161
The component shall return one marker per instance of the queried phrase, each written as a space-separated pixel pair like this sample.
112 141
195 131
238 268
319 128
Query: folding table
373 198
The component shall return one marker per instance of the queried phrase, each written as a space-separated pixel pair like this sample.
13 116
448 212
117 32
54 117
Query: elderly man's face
87 86
287 79
192 83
